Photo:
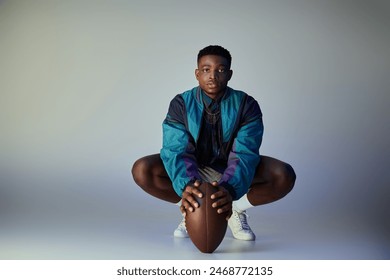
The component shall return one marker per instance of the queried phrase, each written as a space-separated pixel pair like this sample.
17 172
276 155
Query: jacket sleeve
244 156
178 149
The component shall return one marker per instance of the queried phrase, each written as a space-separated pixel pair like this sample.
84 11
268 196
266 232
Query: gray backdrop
85 85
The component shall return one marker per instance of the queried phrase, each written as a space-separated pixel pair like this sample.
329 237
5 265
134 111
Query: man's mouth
212 84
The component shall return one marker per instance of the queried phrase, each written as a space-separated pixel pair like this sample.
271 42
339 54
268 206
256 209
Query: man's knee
139 171
285 177
290 173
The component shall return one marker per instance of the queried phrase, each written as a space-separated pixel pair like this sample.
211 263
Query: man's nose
213 74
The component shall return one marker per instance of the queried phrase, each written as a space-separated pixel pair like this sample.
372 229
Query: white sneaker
181 230
239 226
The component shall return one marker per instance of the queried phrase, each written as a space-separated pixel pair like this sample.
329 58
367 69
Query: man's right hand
188 201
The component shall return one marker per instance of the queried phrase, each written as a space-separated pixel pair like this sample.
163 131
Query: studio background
85 85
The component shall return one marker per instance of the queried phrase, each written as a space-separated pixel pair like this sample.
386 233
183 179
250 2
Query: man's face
213 75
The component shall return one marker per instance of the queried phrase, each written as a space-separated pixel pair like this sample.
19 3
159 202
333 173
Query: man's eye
205 70
221 70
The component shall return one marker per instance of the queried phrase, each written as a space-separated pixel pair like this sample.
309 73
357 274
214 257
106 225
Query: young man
213 133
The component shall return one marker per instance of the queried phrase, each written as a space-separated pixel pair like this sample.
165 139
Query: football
206 228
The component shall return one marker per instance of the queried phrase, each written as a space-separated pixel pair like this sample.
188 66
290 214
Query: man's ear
197 74
230 74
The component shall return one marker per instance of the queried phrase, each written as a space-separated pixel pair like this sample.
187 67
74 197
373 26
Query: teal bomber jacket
242 132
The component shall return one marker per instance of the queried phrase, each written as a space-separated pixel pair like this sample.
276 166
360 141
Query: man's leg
149 173
273 180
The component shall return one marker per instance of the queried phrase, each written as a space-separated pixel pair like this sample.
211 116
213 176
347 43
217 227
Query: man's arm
178 149
244 155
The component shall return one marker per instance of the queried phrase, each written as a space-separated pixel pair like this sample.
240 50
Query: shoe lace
242 219
182 224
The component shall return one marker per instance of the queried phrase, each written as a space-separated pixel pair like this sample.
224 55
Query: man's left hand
223 200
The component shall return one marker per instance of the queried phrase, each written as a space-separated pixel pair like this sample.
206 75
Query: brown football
205 226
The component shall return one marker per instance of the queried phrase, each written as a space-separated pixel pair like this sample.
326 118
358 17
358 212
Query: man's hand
223 200
188 201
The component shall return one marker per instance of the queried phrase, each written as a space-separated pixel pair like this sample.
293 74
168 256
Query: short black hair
215 50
